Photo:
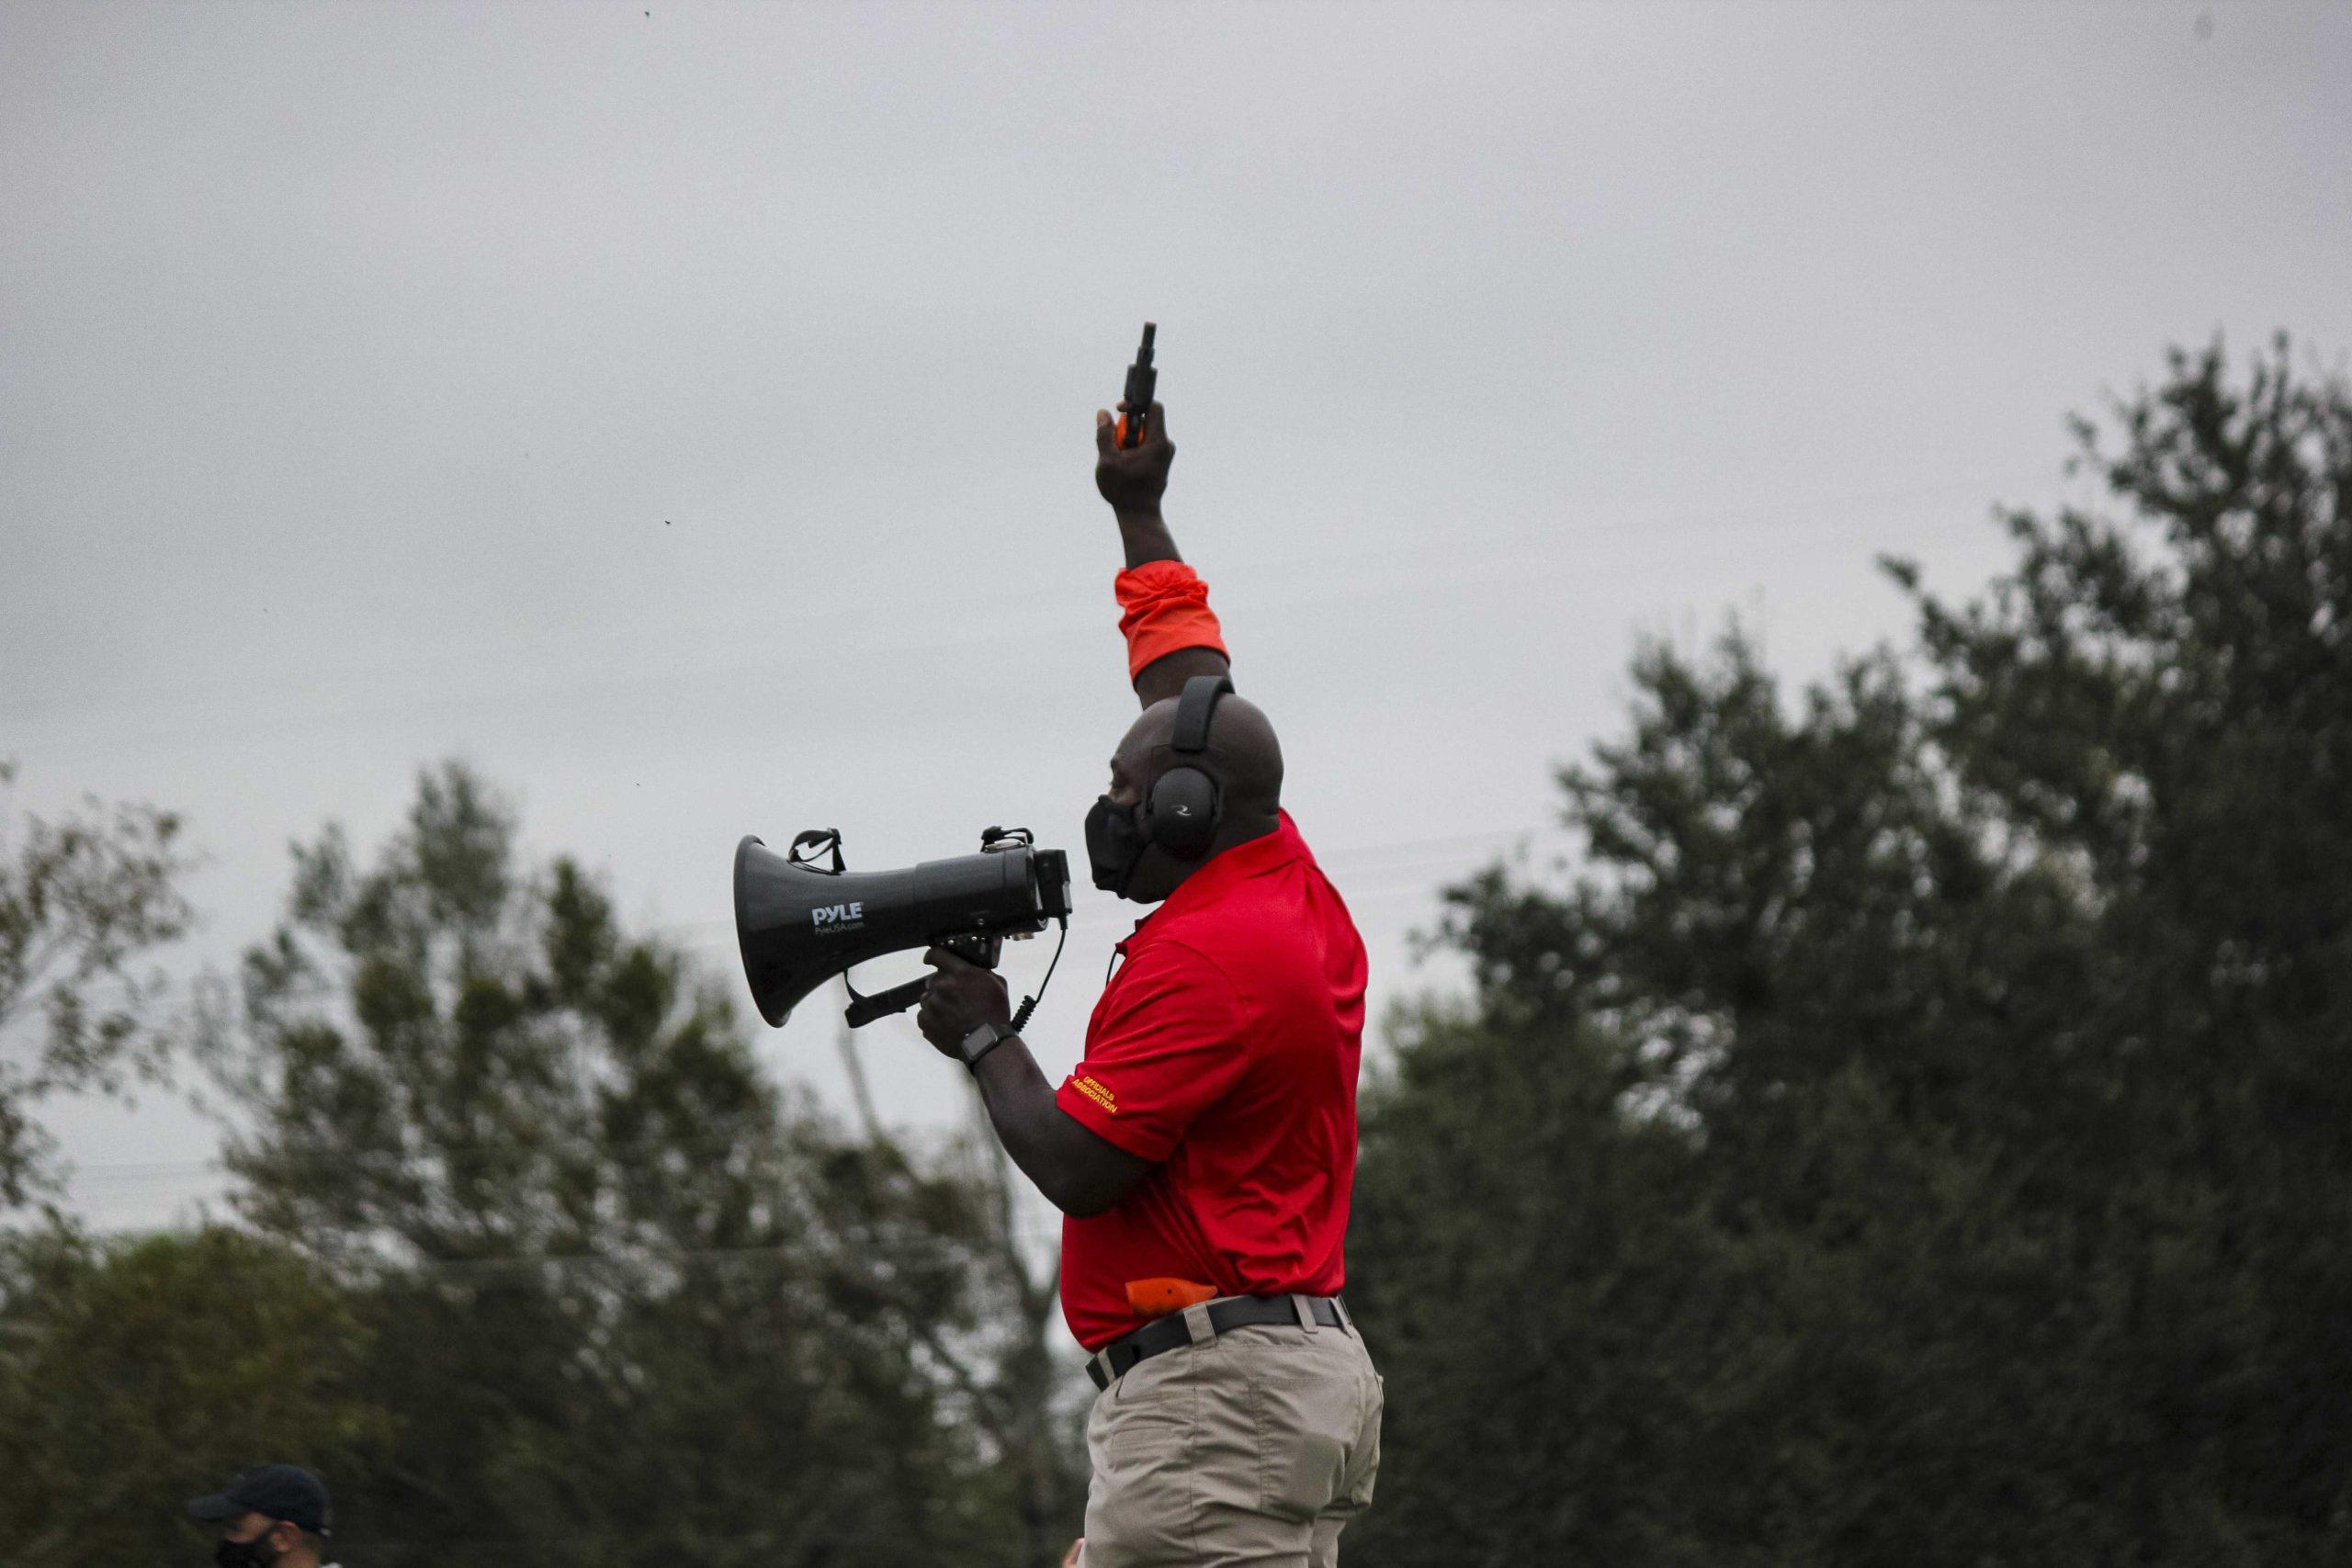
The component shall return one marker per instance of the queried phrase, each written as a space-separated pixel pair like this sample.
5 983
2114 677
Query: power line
382 1162
717 935
1378 882
1510 555
1104 915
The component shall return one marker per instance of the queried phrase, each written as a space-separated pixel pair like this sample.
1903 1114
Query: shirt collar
1226 870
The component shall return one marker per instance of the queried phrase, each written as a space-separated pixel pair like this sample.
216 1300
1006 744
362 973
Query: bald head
1242 755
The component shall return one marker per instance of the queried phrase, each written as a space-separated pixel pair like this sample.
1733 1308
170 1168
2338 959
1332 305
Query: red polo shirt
1225 1051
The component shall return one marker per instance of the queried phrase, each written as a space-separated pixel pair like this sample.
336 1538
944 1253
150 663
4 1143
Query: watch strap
983 1039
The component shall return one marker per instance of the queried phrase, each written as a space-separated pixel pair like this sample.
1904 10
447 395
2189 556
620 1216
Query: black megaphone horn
801 923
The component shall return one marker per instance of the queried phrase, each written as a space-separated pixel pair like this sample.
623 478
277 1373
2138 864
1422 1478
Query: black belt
1116 1359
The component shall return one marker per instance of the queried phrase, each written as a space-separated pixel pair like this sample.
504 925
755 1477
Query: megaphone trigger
983 951
863 1010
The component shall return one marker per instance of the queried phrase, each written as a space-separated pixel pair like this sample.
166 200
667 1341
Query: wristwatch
981 1040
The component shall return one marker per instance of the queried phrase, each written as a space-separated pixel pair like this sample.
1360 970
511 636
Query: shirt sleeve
1168 1043
1163 608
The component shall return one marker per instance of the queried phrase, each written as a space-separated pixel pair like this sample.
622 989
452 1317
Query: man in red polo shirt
1204 1148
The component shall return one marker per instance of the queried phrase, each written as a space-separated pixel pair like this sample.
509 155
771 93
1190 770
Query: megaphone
801 923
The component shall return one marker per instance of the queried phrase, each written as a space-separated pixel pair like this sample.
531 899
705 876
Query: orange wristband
1163 609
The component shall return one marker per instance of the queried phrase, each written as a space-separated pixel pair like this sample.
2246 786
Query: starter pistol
1141 380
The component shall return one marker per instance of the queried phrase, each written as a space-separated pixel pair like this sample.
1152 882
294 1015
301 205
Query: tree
81 902
135 1374
630 1305
1017 1399
1915 1132
2168 702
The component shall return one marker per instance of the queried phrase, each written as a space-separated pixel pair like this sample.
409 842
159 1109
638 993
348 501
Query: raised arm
1171 633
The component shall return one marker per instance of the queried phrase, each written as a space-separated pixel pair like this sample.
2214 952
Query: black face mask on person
1114 843
254 1553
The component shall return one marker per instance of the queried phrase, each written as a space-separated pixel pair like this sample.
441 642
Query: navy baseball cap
276 1491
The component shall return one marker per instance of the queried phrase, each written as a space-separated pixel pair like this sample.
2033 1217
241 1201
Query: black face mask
1113 845
254 1553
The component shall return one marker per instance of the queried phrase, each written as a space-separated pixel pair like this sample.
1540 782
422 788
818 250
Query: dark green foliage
627 1307
140 1374
1922 1132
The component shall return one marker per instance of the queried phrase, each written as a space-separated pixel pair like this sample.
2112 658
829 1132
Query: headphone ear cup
1183 812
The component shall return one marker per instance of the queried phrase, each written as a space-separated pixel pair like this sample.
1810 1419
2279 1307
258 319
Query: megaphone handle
882 1004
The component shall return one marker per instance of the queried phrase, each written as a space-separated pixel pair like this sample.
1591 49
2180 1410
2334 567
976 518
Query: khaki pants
1251 1447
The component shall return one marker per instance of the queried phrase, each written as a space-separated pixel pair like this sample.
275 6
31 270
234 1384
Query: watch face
977 1043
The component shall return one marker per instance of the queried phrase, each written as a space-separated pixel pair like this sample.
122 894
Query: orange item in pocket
1158 1298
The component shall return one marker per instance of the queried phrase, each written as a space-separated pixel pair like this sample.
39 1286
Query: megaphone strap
818 840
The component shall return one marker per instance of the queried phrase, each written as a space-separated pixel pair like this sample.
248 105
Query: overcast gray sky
682 412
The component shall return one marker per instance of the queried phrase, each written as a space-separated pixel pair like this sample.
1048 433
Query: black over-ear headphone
1186 805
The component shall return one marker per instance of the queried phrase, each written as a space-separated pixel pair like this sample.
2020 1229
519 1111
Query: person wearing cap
272 1517
1202 1151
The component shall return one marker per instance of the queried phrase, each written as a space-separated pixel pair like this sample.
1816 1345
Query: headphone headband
1194 709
